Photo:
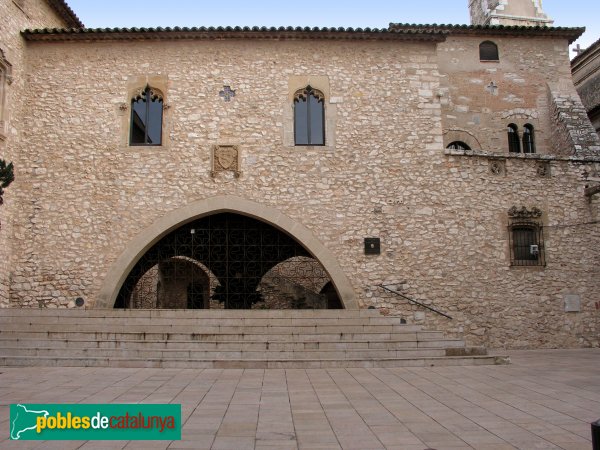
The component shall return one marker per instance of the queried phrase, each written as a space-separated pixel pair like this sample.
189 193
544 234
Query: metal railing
412 300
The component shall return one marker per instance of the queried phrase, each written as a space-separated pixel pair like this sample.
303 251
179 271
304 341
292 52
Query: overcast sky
331 13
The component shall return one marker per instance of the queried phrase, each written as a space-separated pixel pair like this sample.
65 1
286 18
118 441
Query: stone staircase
224 339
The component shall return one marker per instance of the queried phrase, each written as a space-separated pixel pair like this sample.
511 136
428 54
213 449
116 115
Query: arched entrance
146 240
239 251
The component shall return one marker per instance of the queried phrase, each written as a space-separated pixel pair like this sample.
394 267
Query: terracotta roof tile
393 32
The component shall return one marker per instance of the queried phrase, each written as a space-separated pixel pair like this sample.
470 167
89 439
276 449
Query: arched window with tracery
488 51
528 139
309 117
514 143
146 117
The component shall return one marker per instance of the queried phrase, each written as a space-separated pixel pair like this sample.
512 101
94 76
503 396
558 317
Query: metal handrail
415 301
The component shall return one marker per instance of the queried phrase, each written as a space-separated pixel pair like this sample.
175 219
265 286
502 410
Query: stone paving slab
546 399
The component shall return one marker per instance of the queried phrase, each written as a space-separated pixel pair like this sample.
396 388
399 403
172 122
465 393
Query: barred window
488 51
146 117
309 117
526 237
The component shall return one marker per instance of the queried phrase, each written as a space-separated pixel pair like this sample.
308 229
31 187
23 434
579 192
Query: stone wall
441 216
481 98
13 19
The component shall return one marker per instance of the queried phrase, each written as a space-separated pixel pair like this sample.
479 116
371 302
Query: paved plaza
545 399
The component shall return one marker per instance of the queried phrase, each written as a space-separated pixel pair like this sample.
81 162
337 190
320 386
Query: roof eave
571 34
212 33
66 13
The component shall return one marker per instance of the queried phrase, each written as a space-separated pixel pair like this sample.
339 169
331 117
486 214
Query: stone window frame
5 81
322 84
135 84
148 94
519 124
306 93
526 220
486 46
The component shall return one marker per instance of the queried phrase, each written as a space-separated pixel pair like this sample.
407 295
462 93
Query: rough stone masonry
394 101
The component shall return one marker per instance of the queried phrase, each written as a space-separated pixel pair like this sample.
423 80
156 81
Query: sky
322 13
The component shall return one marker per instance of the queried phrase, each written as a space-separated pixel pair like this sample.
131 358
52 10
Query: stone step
207 321
177 354
224 336
227 346
190 313
21 361
110 327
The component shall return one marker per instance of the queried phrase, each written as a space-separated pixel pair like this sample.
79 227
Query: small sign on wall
372 246
572 303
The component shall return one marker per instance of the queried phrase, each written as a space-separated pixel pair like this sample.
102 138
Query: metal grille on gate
228 261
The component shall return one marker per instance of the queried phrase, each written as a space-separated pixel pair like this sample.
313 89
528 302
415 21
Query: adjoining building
586 75
452 165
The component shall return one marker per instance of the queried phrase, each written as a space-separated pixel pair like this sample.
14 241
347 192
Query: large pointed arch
140 244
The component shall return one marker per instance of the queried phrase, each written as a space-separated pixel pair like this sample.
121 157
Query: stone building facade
464 150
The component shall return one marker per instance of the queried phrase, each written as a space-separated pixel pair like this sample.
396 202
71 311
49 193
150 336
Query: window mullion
146 137
308 131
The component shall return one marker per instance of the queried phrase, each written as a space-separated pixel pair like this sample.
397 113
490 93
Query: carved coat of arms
226 158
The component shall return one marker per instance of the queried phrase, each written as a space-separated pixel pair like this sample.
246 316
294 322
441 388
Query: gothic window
514 143
458 145
528 139
146 117
488 51
5 81
309 117
526 237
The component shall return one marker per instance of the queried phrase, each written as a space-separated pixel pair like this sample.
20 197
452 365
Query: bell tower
509 12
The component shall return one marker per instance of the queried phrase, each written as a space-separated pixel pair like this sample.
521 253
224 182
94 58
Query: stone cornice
522 156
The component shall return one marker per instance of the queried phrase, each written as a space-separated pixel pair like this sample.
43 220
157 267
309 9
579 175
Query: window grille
526 240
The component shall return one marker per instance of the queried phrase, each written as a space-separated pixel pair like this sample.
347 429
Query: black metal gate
223 258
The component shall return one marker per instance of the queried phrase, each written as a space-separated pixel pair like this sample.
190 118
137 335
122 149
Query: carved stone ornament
226 158
543 169
524 213
303 94
497 167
